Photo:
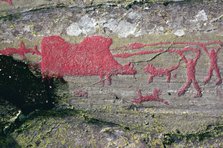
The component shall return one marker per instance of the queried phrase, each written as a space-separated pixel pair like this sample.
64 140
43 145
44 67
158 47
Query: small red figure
213 65
81 93
8 1
191 69
153 71
22 50
153 97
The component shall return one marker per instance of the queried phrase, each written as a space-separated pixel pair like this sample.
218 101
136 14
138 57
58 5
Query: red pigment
22 51
191 69
153 71
154 97
8 1
212 54
90 57
136 45
190 63
126 55
81 93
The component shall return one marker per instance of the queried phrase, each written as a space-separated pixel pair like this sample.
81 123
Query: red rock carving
8 1
153 71
22 51
213 65
88 58
126 55
80 93
93 57
136 45
190 63
154 97
191 70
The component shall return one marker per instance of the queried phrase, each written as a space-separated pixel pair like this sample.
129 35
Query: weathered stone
88 114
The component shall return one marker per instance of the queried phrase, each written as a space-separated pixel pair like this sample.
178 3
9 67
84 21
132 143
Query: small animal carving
154 97
153 72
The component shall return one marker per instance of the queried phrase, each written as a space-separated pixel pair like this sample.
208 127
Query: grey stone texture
107 117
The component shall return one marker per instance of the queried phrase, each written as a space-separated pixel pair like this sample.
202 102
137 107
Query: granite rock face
77 106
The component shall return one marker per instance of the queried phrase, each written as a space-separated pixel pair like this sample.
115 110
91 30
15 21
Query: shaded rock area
78 111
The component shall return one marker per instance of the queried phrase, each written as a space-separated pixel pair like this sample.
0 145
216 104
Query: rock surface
87 114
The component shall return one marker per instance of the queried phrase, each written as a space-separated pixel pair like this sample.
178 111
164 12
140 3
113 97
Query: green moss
10 17
8 141
212 131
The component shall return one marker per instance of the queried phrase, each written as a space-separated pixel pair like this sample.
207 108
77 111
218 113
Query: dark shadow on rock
23 90
20 87
211 132
7 141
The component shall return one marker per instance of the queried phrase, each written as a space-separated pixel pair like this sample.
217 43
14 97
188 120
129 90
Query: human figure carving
191 69
212 54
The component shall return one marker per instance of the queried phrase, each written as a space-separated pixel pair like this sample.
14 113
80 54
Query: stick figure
190 64
213 65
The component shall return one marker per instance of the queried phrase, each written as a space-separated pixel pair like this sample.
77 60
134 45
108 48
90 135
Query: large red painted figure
191 70
92 57
89 58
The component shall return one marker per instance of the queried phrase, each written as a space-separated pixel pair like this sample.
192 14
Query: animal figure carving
153 71
154 97
92 57
190 63
88 58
